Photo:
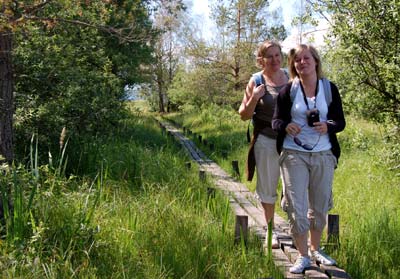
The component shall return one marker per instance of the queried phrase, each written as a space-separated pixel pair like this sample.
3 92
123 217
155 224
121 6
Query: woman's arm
282 116
250 99
336 121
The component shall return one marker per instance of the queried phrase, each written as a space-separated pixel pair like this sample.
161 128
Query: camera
312 117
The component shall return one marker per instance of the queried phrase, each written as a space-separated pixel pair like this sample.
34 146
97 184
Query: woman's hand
293 129
321 127
259 92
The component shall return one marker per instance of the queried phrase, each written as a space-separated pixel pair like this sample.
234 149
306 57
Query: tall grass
134 211
366 190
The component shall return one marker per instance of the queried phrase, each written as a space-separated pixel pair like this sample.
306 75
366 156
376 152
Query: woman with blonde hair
258 104
308 115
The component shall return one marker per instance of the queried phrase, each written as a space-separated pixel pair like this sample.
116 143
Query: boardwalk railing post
249 216
235 166
241 228
333 230
202 175
210 192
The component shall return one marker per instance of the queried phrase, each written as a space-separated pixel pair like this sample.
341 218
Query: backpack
327 90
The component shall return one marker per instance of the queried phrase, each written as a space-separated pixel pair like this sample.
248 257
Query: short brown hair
262 51
292 56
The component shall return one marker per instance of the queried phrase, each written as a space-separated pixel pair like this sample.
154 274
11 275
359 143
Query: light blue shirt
308 135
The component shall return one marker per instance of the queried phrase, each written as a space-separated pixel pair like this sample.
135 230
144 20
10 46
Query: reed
138 212
366 191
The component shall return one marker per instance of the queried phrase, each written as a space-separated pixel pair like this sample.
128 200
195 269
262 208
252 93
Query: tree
242 25
133 47
76 32
169 19
229 57
6 97
364 50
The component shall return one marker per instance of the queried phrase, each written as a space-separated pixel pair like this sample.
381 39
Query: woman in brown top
258 104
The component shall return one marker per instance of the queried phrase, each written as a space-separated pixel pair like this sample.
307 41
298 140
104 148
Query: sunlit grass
135 211
366 191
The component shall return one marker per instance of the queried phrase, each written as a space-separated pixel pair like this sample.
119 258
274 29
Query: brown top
262 125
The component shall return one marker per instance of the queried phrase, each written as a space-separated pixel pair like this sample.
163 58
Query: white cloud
201 14
314 36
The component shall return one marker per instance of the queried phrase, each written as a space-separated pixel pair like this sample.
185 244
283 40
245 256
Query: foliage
217 70
366 188
241 26
365 40
137 213
202 85
364 62
375 236
133 47
169 18
70 71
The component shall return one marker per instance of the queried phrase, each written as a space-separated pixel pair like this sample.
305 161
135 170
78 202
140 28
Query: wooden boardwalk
245 206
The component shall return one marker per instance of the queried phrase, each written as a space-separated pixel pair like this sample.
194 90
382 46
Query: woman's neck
274 78
309 83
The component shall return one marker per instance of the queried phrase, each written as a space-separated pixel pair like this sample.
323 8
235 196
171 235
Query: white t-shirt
308 135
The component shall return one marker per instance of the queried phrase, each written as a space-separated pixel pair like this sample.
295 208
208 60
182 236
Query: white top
308 135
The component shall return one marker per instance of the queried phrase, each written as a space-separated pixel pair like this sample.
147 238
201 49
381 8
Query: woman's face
273 59
305 63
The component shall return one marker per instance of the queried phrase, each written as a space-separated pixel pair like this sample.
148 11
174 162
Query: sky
200 9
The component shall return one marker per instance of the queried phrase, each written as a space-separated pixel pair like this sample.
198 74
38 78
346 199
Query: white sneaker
322 258
275 241
300 264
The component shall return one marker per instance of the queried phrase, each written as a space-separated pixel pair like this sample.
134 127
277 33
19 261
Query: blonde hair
262 52
292 57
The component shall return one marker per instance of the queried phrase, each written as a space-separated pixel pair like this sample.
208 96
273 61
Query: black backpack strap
248 132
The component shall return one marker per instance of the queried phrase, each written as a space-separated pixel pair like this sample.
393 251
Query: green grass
366 189
129 208
134 211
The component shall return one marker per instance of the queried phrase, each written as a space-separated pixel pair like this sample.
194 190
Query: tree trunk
160 97
6 96
236 69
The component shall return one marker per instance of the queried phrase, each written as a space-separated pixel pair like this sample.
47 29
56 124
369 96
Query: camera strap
305 97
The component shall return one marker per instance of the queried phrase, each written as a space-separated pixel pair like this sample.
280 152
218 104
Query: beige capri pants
267 166
308 178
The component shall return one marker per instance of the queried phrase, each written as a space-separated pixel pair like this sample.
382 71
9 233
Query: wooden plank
291 253
230 186
236 208
333 230
250 214
334 272
255 212
282 262
314 272
235 167
285 242
258 231
241 228
281 223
